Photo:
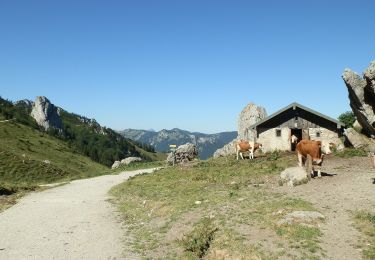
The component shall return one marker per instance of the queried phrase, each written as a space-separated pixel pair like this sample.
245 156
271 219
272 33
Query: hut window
278 132
317 134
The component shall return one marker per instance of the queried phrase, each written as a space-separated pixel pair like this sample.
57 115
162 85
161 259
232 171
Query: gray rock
226 150
130 160
183 153
115 165
362 96
358 140
301 217
294 176
47 161
46 114
249 116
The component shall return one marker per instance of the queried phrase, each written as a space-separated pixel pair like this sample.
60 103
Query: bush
199 240
347 118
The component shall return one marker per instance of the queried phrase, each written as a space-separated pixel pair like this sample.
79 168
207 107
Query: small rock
47 161
294 176
198 202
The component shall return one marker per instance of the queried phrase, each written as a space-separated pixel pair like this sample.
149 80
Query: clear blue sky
191 64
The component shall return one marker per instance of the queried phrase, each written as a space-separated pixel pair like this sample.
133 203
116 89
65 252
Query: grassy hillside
216 209
23 150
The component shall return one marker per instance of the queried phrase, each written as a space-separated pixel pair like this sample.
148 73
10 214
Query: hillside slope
30 156
207 143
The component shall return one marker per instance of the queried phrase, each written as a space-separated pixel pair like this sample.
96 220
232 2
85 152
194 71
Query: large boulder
130 160
362 97
184 153
125 161
249 116
358 140
46 114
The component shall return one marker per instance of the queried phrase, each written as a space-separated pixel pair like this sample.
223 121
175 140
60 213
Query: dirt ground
347 185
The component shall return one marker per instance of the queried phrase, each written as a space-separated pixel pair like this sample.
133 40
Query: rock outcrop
130 160
184 153
125 161
249 116
46 114
362 97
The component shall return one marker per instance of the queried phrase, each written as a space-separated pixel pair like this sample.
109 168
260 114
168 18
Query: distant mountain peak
207 144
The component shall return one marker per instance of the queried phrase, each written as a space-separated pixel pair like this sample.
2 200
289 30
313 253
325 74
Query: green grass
351 152
168 207
23 150
365 223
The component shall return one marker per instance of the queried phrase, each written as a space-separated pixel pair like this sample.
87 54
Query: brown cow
246 146
316 149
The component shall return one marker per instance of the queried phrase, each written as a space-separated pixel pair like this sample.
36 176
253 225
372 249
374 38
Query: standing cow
316 149
246 146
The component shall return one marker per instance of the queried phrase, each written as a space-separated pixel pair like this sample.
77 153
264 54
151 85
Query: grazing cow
246 146
316 149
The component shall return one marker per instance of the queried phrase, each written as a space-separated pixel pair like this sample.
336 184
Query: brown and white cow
246 146
316 149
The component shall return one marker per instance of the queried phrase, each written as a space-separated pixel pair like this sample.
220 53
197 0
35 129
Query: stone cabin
274 132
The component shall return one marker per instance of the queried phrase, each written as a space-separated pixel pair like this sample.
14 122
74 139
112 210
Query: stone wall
323 134
270 142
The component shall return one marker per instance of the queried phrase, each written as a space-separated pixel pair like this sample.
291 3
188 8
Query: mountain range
207 144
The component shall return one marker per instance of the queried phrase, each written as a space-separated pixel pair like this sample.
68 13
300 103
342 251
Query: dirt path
74 221
349 188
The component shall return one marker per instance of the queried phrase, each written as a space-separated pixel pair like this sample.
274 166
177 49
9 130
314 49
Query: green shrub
351 152
199 240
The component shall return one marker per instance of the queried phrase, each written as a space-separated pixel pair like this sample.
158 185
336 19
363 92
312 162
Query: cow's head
294 139
326 147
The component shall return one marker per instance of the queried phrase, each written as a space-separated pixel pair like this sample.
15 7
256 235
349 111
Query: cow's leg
238 151
299 160
251 154
241 155
319 171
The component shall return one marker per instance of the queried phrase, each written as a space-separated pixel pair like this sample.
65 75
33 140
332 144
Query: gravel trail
73 221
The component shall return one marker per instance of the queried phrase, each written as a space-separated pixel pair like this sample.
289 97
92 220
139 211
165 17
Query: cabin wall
270 142
323 134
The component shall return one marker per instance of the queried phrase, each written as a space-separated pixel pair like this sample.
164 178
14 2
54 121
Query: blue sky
188 64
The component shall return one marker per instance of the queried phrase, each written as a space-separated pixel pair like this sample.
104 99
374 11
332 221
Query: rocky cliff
45 113
206 143
362 97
